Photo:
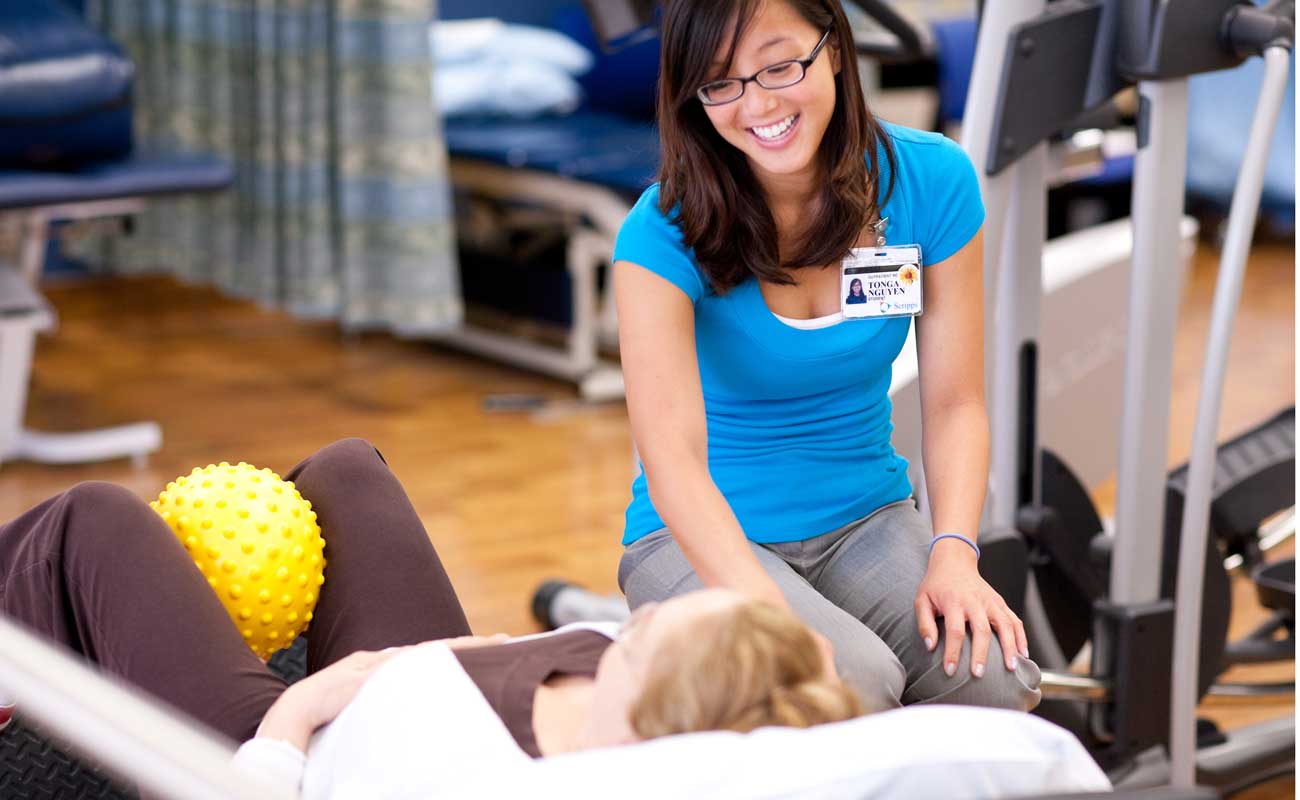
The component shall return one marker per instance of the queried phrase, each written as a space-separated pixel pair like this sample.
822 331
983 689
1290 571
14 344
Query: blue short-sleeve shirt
799 419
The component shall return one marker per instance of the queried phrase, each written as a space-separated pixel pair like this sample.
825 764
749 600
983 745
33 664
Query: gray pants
856 586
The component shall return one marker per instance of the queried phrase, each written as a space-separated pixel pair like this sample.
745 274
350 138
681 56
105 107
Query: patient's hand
317 699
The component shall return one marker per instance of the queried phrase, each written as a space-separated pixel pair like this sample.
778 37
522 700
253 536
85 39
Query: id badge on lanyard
882 281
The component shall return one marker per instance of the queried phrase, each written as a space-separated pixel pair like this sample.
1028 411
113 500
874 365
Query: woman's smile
778 135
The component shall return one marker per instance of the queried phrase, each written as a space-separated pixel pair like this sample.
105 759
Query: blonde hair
740 669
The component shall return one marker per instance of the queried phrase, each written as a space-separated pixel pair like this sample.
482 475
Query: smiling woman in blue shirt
761 414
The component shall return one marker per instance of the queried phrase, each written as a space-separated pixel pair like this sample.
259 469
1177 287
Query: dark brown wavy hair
723 212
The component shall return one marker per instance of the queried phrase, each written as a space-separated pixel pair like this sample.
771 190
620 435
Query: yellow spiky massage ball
255 538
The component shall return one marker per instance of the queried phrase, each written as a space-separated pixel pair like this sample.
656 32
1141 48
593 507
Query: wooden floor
509 499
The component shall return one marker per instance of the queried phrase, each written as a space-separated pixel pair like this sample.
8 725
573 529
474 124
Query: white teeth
775 131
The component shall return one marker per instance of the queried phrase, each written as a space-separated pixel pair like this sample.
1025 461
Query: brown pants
97 570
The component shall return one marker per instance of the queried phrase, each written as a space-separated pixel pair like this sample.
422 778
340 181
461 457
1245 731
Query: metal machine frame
1155 44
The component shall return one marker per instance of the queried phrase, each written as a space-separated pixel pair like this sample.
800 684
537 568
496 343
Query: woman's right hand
665 403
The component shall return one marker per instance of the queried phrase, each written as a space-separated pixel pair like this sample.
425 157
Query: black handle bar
902 40
620 23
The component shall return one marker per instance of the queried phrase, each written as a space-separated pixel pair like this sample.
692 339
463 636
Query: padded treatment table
33 200
612 151
136 176
66 153
179 758
590 167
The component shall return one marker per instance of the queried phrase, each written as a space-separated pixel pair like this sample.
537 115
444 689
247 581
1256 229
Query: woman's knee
654 568
646 584
1018 689
998 688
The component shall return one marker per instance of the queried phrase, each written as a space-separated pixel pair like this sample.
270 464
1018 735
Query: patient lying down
710 660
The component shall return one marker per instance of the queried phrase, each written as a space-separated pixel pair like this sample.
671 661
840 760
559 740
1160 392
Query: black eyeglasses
776 76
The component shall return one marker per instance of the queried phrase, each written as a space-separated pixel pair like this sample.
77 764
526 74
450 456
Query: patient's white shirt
420 729
419 720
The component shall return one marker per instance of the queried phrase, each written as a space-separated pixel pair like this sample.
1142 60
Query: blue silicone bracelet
965 539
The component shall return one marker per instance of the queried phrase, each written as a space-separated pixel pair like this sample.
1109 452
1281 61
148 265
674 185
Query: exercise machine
1156 642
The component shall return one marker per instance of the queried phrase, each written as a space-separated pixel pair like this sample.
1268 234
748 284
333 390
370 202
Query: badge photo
883 282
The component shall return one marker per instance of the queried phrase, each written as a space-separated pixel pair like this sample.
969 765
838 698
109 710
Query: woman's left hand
954 590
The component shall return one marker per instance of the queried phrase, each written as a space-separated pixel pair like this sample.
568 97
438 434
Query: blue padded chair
588 167
65 154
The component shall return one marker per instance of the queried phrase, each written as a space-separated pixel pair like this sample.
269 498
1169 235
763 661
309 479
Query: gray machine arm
1227 295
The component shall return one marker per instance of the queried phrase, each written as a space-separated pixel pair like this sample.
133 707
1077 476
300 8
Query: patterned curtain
341 205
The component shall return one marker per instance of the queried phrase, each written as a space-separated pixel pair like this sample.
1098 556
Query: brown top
508 674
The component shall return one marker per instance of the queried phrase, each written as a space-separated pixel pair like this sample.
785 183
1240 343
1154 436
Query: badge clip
880 227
